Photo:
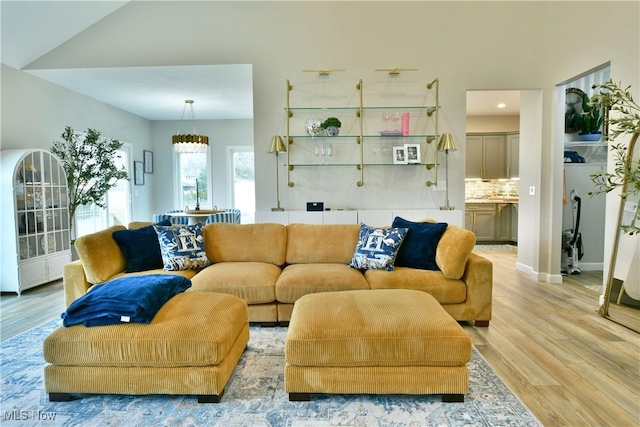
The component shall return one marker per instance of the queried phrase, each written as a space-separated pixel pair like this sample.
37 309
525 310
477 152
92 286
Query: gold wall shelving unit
356 114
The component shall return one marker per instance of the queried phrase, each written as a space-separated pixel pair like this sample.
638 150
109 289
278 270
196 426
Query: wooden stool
386 341
192 346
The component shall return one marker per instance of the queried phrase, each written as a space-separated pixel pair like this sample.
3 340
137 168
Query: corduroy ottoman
387 341
191 346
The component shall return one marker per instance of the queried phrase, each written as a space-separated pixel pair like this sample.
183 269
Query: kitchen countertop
493 200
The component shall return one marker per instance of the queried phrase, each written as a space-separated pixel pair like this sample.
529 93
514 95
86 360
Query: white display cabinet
35 219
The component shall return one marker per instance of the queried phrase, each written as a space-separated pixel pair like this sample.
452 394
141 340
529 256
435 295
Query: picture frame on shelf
399 155
412 153
148 161
138 173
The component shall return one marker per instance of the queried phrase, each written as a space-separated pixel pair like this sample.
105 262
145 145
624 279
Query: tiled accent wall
475 189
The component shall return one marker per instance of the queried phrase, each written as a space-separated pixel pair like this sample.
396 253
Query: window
92 218
192 169
243 182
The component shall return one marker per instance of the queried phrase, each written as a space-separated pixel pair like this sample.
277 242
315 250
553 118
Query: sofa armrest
478 276
74 281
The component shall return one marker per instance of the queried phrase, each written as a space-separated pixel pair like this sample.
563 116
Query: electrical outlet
532 190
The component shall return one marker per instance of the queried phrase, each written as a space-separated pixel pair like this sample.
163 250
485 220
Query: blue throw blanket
134 299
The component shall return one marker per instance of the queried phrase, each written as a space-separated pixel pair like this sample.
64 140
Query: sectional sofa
271 266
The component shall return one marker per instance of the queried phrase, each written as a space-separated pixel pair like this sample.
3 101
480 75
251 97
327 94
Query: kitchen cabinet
503 222
486 156
480 218
513 155
491 222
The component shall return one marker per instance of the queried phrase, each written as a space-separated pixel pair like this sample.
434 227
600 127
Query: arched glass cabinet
35 219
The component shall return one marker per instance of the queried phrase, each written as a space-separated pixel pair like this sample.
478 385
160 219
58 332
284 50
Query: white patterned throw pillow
182 247
377 248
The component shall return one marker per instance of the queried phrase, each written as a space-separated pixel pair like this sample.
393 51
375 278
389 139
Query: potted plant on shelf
332 126
90 166
591 120
626 171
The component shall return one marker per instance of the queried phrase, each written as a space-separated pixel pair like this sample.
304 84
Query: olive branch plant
89 162
624 121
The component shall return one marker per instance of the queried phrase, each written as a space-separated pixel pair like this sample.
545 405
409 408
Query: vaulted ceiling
32 29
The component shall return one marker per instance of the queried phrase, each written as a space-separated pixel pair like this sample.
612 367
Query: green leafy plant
623 119
591 117
89 161
331 122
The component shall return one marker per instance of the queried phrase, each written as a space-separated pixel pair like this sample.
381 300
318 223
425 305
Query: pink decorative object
405 124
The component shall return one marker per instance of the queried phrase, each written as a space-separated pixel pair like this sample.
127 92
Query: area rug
254 396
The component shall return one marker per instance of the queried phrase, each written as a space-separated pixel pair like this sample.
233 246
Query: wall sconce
277 146
446 144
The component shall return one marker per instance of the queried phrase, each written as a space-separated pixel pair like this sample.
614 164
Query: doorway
583 255
492 165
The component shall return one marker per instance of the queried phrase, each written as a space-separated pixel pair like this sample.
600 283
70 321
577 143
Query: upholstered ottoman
191 346
386 341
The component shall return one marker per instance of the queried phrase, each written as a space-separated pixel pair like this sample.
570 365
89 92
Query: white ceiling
30 29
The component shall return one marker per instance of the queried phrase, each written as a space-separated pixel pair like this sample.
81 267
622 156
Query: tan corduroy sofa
271 266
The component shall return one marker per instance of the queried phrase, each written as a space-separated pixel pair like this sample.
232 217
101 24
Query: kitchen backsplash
477 190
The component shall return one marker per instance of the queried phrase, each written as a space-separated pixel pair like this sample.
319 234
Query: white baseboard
539 277
591 266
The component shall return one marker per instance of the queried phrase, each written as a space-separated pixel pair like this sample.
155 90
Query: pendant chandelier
189 143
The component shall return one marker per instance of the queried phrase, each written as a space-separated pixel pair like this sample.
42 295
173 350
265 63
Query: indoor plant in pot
332 126
89 162
591 120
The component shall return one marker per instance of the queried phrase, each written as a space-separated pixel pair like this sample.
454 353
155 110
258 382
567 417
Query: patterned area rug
254 396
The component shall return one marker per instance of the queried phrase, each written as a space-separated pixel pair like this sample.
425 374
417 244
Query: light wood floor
546 341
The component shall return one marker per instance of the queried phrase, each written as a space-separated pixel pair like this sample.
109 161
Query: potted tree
626 171
89 161
332 126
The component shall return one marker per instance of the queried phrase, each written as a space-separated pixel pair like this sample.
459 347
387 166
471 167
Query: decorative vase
594 136
314 127
333 131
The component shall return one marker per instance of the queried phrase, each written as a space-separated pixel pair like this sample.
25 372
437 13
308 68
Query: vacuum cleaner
572 249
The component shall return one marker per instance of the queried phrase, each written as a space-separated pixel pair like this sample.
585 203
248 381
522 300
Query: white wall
468 45
35 113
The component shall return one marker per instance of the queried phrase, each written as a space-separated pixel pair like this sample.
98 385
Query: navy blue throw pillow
419 247
140 247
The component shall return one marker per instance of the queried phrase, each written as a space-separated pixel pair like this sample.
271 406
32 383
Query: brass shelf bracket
359 86
435 111
289 140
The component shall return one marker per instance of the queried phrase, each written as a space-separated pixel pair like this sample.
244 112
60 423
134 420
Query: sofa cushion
445 291
254 282
140 247
100 255
225 242
377 248
454 248
313 243
182 247
418 249
297 280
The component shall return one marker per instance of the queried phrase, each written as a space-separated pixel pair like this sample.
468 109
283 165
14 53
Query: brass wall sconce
395 71
277 146
323 71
